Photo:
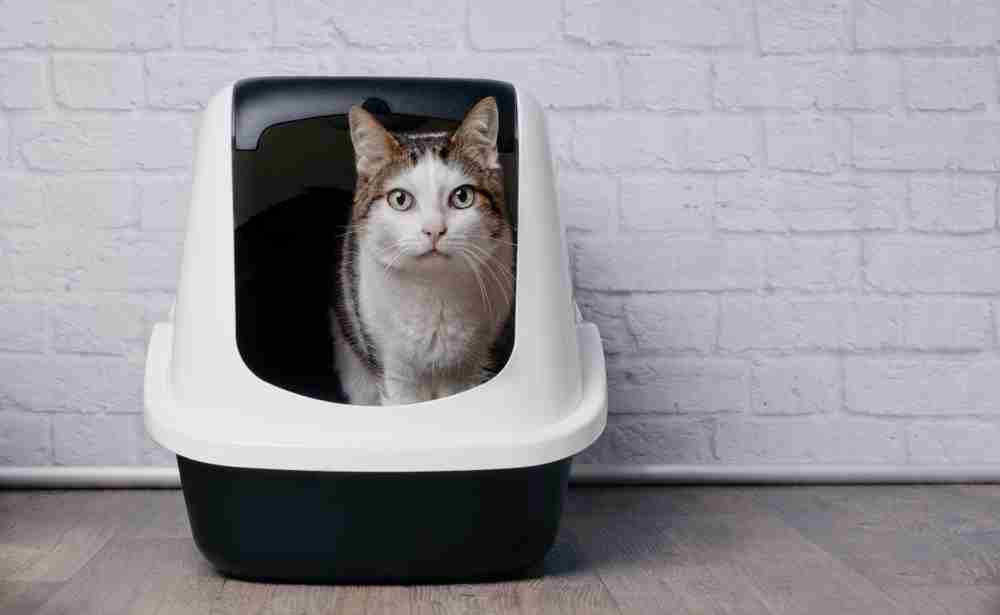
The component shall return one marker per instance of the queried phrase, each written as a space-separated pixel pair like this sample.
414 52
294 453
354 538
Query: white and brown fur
423 294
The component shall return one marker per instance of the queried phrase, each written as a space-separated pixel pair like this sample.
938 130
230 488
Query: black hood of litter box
264 102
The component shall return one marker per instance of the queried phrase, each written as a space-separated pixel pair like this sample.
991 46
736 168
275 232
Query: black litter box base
373 527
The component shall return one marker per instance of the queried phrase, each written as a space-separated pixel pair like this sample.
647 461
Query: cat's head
429 201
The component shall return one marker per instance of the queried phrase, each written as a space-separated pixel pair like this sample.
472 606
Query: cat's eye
399 199
463 197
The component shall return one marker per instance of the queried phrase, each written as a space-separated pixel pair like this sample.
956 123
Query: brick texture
953 204
492 25
559 80
942 84
4 141
100 24
803 82
22 82
926 24
72 143
782 214
99 81
795 26
666 82
796 203
642 23
227 24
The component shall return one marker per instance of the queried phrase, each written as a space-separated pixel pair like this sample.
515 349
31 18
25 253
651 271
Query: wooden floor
747 551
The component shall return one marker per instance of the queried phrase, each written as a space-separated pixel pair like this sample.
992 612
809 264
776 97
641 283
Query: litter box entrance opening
294 177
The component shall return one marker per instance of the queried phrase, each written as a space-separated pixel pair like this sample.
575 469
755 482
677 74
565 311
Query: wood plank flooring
907 550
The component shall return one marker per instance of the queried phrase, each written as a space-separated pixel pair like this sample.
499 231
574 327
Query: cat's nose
435 232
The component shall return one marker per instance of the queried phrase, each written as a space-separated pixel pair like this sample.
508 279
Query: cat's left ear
477 136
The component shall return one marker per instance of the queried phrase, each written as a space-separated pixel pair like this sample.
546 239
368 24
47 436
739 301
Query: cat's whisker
505 285
392 262
492 260
483 293
486 292
384 250
495 239
397 249
385 271
499 281
391 246
351 229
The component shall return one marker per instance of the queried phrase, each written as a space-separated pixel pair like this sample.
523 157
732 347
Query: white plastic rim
549 401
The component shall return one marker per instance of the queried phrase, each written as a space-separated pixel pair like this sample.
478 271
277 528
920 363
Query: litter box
284 481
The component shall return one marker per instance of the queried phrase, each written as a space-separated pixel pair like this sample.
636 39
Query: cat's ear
477 136
373 145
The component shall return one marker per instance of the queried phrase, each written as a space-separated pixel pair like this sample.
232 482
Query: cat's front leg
450 385
400 389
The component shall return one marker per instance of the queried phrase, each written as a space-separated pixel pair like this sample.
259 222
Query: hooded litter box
282 479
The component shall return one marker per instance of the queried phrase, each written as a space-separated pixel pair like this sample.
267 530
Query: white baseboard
129 477
89 477
817 474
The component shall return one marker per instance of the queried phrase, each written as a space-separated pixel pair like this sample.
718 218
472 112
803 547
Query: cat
425 284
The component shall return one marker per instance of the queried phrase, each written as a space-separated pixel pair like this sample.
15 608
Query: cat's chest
426 326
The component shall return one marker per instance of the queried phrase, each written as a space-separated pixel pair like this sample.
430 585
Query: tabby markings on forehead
424 135
417 145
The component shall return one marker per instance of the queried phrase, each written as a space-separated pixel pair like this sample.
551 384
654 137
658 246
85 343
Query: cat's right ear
373 145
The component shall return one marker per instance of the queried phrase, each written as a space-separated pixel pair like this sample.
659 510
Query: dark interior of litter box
293 180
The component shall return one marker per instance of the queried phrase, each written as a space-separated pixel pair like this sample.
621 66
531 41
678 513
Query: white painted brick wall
22 82
98 81
943 84
926 24
793 26
666 82
782 213
953 204
494 25
642 23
